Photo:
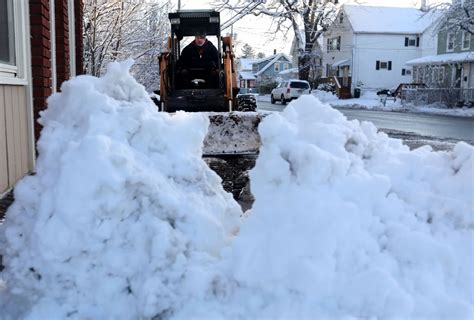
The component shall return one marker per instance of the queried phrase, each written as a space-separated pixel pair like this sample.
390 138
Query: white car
288 90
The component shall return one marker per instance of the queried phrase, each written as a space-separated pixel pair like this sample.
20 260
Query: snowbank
349 223
120 209
123 219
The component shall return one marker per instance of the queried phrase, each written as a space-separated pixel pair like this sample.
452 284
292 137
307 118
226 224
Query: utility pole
179 5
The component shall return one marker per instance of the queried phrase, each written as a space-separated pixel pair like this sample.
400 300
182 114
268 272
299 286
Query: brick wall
62 41
40 56
79 17
41 49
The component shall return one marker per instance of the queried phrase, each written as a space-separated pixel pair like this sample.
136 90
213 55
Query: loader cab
194 95
184 25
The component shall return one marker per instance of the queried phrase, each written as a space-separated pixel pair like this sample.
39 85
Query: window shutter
390 65
403 72
377 65
406 41
417 41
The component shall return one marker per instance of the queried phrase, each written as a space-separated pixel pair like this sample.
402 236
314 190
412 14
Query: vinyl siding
15 150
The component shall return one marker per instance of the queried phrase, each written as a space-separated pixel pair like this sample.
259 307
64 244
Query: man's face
199 40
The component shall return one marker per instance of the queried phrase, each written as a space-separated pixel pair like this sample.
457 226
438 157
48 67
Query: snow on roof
275 59
247 75
246 63
443 59
287 71
368 19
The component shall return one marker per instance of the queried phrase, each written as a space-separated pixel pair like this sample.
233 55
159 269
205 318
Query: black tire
272 100
283 101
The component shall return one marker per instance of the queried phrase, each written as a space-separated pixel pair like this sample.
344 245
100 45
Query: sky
259 33
124 220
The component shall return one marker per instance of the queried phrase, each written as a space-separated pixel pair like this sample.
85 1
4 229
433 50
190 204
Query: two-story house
267 69
316 60
371 45
252 73
40 47
452 66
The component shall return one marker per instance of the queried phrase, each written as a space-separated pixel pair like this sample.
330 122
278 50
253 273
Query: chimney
424 7
274 51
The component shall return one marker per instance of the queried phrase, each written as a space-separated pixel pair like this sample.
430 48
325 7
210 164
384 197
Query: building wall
40 57
442 43
429 41
15 142
42 63
343 29
370 48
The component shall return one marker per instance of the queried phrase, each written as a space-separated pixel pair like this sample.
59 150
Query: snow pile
121 209
123 219
349 223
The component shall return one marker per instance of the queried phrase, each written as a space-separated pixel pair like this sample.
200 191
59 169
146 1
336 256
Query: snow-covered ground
370 101
124 220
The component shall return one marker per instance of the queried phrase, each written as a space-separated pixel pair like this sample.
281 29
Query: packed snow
371 101
124 220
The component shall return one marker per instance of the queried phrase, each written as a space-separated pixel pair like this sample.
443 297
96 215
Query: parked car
288 90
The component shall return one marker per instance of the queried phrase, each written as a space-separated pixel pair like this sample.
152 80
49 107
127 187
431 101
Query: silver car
288 90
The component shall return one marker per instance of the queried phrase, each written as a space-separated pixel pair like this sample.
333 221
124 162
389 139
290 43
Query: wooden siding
15 150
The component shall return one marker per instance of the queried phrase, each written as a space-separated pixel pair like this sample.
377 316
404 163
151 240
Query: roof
443 59
246 63
287 71
271 62
342 63
368 19
247 75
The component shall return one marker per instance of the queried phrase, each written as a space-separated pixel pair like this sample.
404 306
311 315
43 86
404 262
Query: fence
451 97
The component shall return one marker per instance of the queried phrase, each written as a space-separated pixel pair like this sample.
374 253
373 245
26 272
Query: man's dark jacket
204 57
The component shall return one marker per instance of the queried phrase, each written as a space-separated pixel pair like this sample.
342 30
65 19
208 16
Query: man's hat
200 33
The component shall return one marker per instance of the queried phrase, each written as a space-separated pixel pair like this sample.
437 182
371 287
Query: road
424 125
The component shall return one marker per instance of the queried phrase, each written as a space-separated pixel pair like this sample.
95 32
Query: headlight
213 20
175 21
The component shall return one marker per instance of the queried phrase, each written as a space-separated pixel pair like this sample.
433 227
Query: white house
371 45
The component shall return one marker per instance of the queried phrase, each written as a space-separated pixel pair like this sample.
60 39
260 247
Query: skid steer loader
233 120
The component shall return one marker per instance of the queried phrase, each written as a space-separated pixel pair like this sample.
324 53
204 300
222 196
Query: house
369 46
40 47
452 66
316 59
450 71
266 70
246 78
253 73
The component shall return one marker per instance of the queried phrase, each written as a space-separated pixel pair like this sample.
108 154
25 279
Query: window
276 67
299 85
406 72
450 42
383 65
286 66
412 41
466 40
334 44
13 42
7 35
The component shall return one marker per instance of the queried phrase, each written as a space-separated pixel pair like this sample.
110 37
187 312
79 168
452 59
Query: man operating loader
198 63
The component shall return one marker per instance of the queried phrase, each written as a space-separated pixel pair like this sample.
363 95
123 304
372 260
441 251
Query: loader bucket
232 133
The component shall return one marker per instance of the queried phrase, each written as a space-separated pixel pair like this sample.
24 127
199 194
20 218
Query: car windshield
299 85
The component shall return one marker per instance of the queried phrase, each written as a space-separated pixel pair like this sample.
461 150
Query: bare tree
120 29
457 16
306 19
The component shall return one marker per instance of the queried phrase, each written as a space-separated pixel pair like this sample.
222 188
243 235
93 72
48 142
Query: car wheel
272 100
283 101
